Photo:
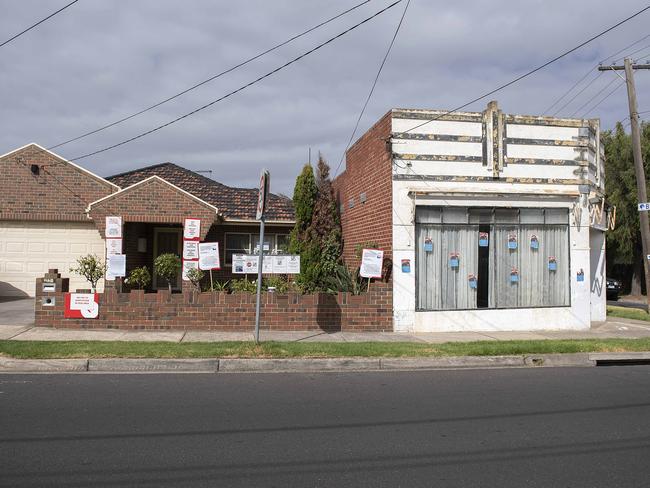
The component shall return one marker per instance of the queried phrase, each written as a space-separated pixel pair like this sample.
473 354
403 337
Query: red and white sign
372 261
81 306
209 256
265 182
192 229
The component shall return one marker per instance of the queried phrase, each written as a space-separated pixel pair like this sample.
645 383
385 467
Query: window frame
272 236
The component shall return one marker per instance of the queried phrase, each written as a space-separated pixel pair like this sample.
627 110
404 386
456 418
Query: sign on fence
371 263
278 264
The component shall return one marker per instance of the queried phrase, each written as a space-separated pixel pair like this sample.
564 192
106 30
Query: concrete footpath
615 328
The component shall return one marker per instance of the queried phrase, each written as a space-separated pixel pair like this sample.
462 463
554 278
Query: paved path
613 328
537 428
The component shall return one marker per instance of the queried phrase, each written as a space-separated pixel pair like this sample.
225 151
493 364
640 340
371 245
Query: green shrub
346 280
243 285
276 281
195 275
91 268
221 286
139 278
167 267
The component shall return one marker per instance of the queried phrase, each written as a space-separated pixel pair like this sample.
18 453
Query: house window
470 258
239 243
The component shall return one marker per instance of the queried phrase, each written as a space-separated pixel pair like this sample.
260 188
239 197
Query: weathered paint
524 161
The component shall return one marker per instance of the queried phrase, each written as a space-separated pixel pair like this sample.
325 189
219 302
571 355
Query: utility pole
629 68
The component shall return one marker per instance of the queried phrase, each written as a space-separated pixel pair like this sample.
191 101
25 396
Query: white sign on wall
279 264
114 227
190 250
115 266
293 264
209 255
371 263
113 246
192 229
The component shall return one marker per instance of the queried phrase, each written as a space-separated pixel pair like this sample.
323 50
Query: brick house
52 211
489 221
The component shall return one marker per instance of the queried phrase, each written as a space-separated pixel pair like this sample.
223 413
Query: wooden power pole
629 68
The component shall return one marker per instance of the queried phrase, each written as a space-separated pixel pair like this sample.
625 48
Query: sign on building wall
192 229
113 246
113 227
371 263
188 265
190 250
115 266
81 306
209 256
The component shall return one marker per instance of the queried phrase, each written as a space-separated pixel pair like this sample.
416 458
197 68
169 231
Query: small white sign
250 264
209 255
113 246
279 264
192 229
115 266
82 305
190 250
267 265
238 261
293 264
188 265
371 263
114 227
644 207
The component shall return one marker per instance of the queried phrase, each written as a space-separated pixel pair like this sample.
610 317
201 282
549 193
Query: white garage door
29 249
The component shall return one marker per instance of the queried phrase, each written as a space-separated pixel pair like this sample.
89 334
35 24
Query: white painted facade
490 159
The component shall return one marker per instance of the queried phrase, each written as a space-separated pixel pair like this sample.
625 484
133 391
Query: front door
166 240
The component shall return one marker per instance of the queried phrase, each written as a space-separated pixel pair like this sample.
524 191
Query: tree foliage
624 250
317 233
167 267
91 268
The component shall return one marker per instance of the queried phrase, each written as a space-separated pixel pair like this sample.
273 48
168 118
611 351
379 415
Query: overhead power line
211 78
38 23
612 81
243 87
372 88
534 70
568 102
587 74
607 95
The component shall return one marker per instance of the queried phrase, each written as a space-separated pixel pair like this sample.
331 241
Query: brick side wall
155 202
223 312
368 170
59 192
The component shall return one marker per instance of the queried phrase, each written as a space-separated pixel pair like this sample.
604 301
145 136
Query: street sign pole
261 208
259 282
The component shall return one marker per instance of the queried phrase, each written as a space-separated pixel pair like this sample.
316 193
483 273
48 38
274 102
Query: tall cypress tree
304 198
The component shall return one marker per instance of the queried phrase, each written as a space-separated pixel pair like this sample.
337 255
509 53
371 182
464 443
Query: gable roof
233 203
38 147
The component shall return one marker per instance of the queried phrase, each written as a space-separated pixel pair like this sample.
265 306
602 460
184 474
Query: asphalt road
508 428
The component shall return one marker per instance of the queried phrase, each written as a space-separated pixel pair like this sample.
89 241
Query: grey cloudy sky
100 60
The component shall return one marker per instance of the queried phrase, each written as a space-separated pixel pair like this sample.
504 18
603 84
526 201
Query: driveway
16 311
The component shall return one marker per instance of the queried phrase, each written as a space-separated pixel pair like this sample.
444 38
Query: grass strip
628 313
95 349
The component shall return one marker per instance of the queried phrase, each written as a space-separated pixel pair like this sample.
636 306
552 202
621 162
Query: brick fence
220 311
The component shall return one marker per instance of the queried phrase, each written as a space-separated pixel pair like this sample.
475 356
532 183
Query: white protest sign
192 229
250 264
190 250
113 246
115 266
238 263
279 264
188 265
267 265
293 264
371 263
113 227
209 256
81 305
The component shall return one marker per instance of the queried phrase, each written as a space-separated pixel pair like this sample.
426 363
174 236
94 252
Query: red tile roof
232 203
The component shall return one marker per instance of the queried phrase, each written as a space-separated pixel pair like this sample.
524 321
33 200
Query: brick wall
223 312
153 201
60 191
368 170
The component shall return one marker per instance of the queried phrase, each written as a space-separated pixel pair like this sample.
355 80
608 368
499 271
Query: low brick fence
220 311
